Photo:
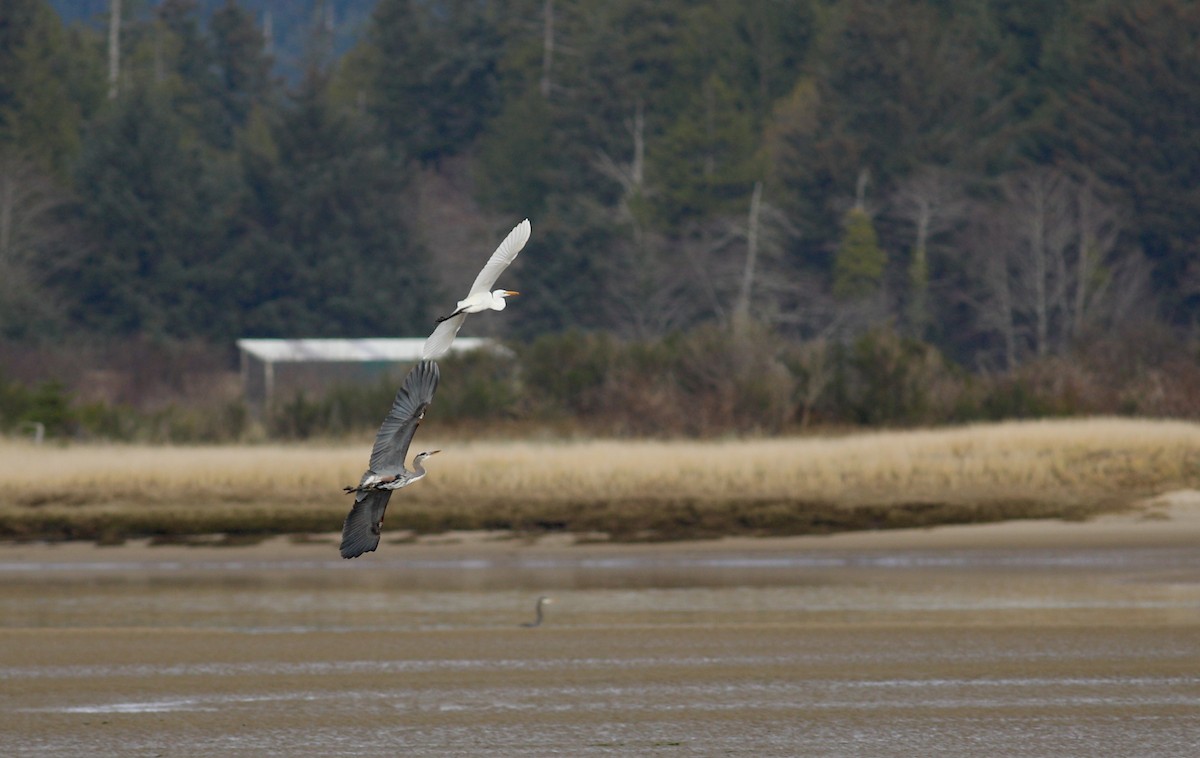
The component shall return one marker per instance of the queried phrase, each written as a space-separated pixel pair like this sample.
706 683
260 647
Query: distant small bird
386 472
481 297
541 601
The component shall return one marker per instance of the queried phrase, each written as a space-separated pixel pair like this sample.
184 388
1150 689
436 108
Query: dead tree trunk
114 47
741 311
547 47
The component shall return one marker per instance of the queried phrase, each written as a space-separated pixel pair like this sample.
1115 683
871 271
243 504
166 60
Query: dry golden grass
631 489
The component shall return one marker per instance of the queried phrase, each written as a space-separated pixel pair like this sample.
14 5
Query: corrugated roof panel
348 350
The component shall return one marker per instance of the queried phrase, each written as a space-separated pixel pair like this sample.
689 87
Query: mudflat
1024 638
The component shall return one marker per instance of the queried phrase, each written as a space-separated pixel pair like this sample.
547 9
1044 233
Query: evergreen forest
753 215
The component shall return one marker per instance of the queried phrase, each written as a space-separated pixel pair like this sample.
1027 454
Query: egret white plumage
386 471
481 296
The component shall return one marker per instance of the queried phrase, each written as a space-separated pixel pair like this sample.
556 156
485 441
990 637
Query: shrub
48 404
478 386
566 373
735 381
883 378
704 382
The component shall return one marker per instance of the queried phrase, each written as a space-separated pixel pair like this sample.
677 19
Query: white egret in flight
481 297
386 472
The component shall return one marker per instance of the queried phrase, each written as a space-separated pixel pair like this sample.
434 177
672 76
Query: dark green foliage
156 210
517 162
38 116
46 91
433 83
242 66
895 85
325 247
195 80
566 372
48 404
209 199
859 264
916 310
478 387
1130 107
560 280
758 49
708 159
887 379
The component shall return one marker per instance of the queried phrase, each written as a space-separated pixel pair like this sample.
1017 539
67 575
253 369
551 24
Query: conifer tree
38 117
433 80
859 263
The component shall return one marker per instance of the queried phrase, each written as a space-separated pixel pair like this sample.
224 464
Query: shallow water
891 653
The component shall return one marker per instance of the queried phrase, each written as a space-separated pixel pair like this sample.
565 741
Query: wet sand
1017 639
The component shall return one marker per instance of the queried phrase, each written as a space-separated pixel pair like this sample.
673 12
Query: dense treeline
1006 183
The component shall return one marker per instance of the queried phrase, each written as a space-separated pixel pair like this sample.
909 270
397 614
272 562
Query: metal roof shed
272 366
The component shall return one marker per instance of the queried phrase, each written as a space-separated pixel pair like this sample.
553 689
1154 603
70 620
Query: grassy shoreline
607 490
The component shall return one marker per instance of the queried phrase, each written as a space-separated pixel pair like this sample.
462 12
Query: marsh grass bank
607 490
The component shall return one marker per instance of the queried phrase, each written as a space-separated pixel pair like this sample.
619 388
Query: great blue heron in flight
541 601
386 472
481 297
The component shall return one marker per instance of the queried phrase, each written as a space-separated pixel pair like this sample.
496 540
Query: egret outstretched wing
397 430
500 260
443 335
447 329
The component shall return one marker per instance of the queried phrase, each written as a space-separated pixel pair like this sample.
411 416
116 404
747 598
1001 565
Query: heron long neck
418 470
538 610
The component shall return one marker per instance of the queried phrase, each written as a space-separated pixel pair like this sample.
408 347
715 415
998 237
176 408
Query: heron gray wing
504 255
397 430
439 341
364 522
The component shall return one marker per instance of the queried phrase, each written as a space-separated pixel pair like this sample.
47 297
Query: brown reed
620 489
